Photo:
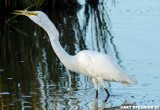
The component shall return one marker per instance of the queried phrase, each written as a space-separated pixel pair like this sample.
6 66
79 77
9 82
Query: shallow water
32 77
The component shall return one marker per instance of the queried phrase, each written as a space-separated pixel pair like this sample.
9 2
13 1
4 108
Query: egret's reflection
111 107
95 105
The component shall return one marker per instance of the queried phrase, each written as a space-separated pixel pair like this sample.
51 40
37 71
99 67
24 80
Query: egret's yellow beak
25 12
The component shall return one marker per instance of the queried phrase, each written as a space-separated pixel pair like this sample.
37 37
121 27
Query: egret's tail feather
133 80
130 81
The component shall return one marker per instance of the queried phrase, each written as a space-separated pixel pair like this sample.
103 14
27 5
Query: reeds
9 5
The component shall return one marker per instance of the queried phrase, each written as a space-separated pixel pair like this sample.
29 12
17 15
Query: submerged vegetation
7 6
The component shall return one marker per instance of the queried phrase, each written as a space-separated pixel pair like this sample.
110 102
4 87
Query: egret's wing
100 65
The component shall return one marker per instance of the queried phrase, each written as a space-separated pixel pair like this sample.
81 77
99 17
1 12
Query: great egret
97 65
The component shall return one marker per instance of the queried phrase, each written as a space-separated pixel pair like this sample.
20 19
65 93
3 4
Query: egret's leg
107 91
101 81
97 93
95 82
106 99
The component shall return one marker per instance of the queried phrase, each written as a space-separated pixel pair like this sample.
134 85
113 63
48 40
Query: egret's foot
96 93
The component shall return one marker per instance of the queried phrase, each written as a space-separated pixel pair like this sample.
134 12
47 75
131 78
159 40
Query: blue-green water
32 77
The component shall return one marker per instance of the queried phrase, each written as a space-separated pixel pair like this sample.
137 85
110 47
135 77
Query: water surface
32 77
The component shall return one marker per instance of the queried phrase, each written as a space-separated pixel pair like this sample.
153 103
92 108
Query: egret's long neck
60 52
53 34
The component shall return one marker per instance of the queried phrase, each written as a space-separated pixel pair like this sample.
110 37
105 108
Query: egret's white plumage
97 65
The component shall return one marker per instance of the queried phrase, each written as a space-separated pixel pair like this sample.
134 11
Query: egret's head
38 17
41 19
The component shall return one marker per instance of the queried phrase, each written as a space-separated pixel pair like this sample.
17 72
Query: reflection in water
95 105
95 27
31 75
109 105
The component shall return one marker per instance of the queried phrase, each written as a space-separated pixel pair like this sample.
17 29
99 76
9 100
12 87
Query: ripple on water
4 93
1 70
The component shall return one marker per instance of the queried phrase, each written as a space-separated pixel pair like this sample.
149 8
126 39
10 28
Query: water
32 77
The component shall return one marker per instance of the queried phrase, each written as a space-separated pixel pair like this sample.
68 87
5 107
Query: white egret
97 65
